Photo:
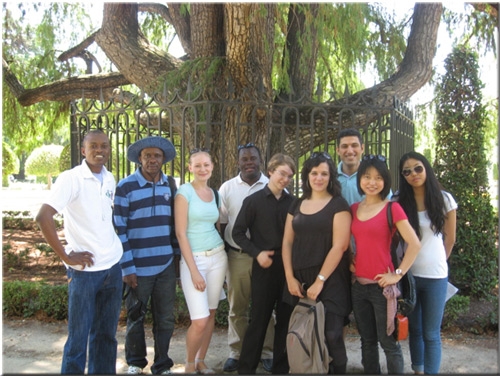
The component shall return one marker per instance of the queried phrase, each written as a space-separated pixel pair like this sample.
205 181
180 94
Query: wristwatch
398 272
321 278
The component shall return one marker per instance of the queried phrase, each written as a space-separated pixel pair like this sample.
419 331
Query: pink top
373 241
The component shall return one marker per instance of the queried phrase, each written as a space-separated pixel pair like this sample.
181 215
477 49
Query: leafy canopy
34 35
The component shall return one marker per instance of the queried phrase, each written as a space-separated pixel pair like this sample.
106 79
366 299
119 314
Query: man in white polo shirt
84 195
238 279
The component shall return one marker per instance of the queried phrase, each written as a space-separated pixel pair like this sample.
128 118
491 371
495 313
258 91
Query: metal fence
295 127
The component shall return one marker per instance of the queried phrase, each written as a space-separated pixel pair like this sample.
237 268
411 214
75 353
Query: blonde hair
280 159
198 152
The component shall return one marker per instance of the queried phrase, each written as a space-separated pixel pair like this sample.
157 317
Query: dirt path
31 346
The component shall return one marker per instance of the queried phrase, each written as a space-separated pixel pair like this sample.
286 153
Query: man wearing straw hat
144 220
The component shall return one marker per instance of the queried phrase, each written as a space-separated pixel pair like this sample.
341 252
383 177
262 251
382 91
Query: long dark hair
334 187
433 197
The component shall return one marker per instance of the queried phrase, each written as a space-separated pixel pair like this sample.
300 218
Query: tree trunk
298 35
242 34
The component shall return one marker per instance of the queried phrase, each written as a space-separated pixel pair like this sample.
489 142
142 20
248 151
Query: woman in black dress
316 238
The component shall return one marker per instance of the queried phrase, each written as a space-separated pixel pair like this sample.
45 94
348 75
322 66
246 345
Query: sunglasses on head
246 146
318 154
381 158
198 150
417 169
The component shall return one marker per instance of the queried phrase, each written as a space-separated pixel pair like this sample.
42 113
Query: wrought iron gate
293 127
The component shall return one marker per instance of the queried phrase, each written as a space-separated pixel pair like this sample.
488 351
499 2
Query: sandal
194 372
205 370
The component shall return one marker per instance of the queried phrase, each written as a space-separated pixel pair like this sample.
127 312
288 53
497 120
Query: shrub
44 161
23 220
29 299
26 299
456 306
461 166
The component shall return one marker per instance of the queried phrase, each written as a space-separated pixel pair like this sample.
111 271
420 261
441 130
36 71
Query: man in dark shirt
263 215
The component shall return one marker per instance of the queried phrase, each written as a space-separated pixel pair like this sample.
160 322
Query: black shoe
267 364
231 365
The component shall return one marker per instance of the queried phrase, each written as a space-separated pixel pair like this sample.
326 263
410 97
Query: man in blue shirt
144 220
350 148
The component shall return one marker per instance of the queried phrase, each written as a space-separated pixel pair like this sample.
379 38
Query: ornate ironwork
285 123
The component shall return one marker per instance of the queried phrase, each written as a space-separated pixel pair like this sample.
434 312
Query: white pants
213 269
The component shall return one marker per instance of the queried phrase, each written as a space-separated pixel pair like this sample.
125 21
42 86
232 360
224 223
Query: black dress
312 242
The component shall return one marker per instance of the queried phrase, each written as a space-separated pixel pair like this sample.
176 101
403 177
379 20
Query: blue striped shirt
144 220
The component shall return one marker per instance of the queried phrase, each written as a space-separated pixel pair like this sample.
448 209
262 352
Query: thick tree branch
71 88
141 62
78 49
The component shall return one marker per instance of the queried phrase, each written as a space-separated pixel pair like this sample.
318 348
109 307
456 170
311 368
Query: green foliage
181 311
65 158
14 219
350 36
492 320
456 306
13 260
44 161
461 167
27 299
480 28
34 37
202 71
10 163
221 316
156 30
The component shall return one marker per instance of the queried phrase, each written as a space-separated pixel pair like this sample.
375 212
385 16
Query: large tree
285 47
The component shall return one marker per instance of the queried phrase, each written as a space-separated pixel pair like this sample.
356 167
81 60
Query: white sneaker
134 370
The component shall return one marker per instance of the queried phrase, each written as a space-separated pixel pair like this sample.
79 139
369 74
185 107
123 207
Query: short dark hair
91 132
383 170
250 145
349 132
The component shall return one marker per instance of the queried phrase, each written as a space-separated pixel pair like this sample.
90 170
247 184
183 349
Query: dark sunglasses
249 145
318 154
416 169
381 158
198 150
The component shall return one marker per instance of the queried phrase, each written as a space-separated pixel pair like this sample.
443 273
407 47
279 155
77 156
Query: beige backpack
305 342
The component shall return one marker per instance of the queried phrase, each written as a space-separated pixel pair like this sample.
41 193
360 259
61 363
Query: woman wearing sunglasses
314 253
374 290
432 213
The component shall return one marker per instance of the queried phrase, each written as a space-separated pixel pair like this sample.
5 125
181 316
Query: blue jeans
370 311
160 289
425 325
94 304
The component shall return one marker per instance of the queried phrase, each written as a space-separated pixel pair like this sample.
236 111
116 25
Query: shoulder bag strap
394 255
216 194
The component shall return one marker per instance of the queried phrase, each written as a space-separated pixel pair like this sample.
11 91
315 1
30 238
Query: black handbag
407 287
